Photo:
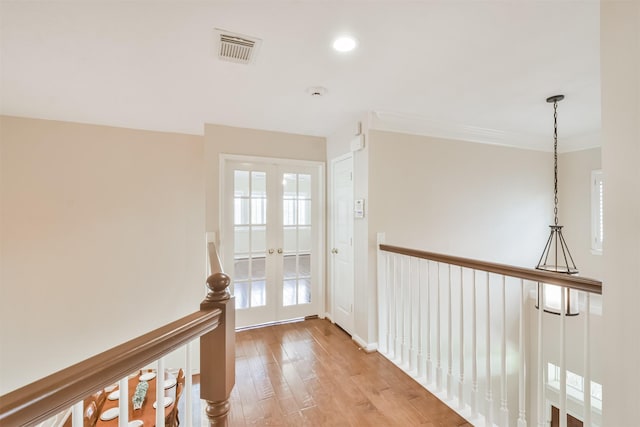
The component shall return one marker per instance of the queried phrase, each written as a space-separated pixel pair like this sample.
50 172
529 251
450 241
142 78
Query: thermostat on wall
358 208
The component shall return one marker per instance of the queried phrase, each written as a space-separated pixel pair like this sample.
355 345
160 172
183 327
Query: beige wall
574 210
102 240
473 200
620 56
220 139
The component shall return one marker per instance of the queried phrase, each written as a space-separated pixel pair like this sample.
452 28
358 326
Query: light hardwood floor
312 374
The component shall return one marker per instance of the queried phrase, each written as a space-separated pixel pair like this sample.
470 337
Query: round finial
218 287
555 98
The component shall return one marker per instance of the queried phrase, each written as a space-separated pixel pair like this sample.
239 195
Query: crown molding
419 125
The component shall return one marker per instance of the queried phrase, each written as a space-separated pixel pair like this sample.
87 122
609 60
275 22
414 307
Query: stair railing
460 328
213 324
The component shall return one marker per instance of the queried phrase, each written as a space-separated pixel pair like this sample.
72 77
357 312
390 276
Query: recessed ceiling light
344 44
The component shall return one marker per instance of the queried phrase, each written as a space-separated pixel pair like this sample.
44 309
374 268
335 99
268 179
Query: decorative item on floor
140 394
556 248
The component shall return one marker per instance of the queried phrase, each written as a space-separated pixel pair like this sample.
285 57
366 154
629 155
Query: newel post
218 349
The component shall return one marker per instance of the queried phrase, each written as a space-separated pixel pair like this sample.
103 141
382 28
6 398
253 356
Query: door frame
318 214
330 230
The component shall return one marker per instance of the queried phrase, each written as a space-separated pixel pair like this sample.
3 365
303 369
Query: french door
271 240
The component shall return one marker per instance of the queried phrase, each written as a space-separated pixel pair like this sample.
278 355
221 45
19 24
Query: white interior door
272 245
342 241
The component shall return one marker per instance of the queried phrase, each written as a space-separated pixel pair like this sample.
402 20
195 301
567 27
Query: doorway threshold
279 322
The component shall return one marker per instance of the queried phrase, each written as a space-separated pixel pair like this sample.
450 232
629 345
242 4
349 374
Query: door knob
279 250
270 251
334 250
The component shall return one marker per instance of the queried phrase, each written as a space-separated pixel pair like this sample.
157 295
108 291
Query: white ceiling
481 65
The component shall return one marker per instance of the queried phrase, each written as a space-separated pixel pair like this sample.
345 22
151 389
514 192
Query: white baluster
438 353
449 339
488 417
461 382
390 306
399 308
504 411
415 317
422 310
382 296
429 360
77 420
160 393
123 402
563 360
406 311
522 405
542 422
188 385
587 360
474 351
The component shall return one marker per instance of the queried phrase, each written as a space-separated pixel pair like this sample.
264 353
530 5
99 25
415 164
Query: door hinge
351 308
351 176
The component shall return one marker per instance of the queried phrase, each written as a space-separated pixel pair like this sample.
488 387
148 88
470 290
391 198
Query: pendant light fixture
556 256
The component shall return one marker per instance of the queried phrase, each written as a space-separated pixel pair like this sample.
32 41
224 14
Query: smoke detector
235 47
317 91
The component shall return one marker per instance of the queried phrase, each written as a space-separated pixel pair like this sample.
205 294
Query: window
575 386
597 232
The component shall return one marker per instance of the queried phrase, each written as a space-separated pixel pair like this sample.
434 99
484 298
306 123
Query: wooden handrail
569 281
46 397
214 324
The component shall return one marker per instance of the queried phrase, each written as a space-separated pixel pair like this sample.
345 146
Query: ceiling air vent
236 47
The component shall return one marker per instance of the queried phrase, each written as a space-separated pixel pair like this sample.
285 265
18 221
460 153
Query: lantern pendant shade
561 260
556 256
553 299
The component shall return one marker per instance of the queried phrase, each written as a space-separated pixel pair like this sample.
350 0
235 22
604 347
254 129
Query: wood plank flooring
312 374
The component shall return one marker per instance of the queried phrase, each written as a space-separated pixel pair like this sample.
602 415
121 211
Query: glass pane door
250 230
271 240
296 219
298 282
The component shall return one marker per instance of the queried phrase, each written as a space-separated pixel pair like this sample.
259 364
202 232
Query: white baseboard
328 317
368 347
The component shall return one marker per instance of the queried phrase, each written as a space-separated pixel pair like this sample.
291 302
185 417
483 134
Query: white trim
267 324
329 239
269 160
368 347
318 214
419 125
597 191
342 157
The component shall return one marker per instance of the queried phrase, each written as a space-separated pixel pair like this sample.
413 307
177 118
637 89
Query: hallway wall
97 222
574 210
620 53
473 200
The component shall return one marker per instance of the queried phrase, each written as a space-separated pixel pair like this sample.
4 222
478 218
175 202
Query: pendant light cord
555 162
